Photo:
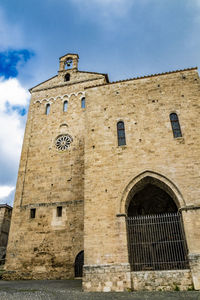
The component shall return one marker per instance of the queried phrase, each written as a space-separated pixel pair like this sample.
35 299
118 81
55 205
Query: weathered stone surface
5 219
195 268
112 171
94 179
107 278
162 280
47 245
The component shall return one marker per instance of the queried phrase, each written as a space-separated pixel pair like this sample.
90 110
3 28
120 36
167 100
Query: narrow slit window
67 77
47 109
175 125
83 102
65 105
59 211
32 213
121 133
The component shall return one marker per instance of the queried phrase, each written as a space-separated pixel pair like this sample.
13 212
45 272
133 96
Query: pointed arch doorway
78 265
156 239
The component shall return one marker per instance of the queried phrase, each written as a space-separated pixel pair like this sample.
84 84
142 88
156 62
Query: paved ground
71 290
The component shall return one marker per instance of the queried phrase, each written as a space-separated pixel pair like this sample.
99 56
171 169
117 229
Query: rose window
63 142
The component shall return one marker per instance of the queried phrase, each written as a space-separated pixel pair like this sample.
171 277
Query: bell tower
68 62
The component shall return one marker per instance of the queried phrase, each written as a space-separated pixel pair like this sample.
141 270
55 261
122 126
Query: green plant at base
176 288
191 288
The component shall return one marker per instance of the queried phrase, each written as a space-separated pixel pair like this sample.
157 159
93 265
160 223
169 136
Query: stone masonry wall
90 180
144 105
5 219
162 280
107 278
46 246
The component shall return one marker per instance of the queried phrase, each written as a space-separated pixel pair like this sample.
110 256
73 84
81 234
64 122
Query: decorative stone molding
121 215
159 179
60 203
191 207
62 97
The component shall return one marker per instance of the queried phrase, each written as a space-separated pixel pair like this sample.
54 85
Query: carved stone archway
138 182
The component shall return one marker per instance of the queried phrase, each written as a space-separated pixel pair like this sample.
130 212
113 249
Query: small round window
63 142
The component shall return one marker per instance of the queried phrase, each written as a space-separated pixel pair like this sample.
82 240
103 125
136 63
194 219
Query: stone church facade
110 172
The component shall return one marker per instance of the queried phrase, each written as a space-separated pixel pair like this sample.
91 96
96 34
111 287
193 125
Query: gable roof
53 77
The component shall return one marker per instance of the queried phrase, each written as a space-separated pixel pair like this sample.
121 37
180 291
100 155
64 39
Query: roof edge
6 205
42 83
104 74
146 76
69 54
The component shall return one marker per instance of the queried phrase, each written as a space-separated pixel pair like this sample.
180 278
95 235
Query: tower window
47 109
32 213
65 105
175 125
121 133
67 77
59 211
83 102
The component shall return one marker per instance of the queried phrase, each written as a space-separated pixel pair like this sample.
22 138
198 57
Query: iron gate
157 242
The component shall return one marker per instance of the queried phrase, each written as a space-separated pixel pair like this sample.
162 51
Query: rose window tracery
63 142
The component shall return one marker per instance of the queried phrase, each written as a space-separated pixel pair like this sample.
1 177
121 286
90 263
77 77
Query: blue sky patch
11 60
21 110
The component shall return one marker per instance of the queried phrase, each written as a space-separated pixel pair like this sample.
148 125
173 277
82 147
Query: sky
124 38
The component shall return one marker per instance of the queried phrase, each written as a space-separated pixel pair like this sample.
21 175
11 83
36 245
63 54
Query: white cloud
11 133
11 122
5 191
12 92
11 136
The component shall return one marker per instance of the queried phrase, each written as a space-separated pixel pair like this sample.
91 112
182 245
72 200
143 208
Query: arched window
175 125
47 109
67 77
121 133
83 102
65 105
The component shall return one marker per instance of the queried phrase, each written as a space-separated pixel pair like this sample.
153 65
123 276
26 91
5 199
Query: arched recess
78 265
156 238
154 178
